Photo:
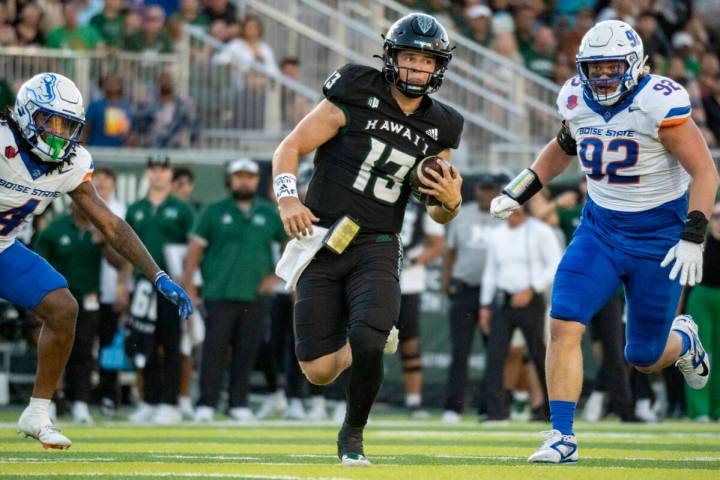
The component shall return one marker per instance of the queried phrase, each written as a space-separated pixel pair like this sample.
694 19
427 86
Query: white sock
185 402
413 400
39 405
318 401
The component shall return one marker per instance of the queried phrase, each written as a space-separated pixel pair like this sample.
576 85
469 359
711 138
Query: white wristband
285 185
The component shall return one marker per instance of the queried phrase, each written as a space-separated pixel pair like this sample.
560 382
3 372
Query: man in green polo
232 243
71 246
161 221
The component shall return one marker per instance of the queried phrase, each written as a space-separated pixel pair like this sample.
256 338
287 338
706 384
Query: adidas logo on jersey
432 133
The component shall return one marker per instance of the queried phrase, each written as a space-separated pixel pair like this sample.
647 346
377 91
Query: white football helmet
611 40
49 112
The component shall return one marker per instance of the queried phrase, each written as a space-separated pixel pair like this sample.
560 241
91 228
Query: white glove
502 207
688 258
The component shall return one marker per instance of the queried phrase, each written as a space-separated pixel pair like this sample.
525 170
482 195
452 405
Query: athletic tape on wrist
285 185
523 187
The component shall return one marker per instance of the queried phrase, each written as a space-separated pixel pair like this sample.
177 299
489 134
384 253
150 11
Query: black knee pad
366 341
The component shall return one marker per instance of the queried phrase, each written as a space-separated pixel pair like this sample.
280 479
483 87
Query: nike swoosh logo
705 370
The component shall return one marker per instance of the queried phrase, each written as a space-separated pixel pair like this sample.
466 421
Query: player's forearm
551 162
433 249
124 239
193 259
285 159
703 191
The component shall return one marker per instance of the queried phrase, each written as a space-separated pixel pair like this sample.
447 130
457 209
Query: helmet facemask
393 75
55 135
609 85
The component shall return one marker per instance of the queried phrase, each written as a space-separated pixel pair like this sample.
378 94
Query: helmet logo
425 23
48 96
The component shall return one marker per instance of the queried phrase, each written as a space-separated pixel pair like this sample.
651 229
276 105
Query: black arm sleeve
565 140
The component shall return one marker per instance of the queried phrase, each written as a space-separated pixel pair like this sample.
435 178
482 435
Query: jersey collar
607 113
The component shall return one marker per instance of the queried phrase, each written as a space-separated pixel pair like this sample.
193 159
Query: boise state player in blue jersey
639 149
40 160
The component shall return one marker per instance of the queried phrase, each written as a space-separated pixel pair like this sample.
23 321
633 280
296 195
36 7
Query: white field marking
55 459
506 433
203 457
480 457
180 475
313 455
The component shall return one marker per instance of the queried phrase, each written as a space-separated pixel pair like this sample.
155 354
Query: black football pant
503 322
351 297
107 329
81 362
464 307
161 375
229 325
612 376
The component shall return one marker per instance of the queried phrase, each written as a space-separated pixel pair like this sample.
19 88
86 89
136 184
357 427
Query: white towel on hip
297 256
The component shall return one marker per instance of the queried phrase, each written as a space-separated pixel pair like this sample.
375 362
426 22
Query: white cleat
242 415
273 405
167 414
204 414
354 460
557 448
644 411
186 408
142 414
340 412
81 413
317 412
451 417
695 364
391 344
39 427
593 410
295 410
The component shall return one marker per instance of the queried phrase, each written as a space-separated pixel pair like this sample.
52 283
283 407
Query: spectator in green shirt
73 35
75 249
162 222
110 23
232 243
153 37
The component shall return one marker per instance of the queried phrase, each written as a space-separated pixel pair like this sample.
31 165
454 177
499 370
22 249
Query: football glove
688 258
502 206
174 292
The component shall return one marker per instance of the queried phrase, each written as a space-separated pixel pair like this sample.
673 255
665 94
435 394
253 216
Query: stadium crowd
544 39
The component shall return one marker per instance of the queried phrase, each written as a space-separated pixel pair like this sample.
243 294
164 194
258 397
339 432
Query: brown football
428 163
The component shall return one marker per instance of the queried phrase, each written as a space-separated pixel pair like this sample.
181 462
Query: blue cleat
695 364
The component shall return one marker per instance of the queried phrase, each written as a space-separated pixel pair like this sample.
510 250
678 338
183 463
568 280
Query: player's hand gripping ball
428 163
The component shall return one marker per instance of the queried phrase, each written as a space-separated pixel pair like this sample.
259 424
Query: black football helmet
422 33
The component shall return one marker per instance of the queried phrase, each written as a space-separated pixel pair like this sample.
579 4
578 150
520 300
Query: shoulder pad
349 83
665 102
569 98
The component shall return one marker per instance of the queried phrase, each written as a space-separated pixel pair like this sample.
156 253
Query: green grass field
399 449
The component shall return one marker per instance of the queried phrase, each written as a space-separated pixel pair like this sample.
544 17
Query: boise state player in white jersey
639 149
41 160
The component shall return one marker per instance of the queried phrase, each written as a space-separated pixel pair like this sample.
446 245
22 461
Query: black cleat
350 447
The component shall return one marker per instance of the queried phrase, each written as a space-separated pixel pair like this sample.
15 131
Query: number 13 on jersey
383 171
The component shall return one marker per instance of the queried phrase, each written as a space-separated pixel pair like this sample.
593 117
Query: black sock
366 374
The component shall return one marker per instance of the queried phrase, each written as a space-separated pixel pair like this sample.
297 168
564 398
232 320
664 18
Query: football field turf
399 449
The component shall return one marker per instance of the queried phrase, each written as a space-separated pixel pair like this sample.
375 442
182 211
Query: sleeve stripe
673 121
87 176
674 112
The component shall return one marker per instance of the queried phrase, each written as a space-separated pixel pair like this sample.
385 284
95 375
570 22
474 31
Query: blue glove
173 292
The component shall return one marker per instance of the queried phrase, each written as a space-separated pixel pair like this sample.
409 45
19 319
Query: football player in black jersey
371 129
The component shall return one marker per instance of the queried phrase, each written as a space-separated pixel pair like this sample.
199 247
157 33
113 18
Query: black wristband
565 140
524 186
695 227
